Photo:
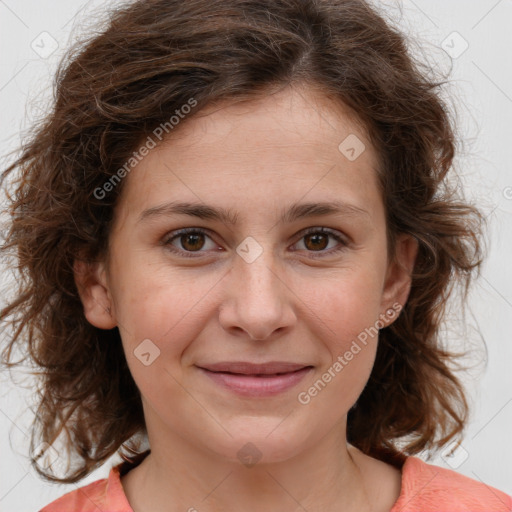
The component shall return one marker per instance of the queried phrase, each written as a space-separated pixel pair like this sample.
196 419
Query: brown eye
192 241
316 241
188 241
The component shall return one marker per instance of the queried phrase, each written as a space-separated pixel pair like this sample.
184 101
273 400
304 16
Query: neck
178 475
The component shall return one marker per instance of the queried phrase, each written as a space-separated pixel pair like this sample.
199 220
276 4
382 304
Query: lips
246 368
256 380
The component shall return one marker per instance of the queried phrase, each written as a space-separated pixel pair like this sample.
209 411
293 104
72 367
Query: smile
257 384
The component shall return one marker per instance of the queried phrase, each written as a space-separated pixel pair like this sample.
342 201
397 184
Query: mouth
256 380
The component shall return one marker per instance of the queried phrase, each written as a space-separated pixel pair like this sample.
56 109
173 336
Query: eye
188 241
316 240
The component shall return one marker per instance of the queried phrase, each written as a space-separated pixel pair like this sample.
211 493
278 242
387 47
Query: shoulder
429 488
105 494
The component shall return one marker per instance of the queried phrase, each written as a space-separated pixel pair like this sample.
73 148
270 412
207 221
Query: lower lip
251 385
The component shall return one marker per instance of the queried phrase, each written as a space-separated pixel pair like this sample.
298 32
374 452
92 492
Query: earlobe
90 279
399 275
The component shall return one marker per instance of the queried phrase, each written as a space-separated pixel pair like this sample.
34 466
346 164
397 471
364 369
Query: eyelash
191 254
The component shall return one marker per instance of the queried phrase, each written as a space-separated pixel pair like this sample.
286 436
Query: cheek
346 309
344 303
163 307
148 298
351 341
348 335
157 321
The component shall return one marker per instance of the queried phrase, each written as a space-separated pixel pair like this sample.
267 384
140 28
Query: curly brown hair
114 89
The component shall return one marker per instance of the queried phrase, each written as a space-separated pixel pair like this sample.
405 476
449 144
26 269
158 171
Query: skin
257 159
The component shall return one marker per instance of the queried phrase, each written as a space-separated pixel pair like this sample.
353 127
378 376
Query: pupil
194 238
316 238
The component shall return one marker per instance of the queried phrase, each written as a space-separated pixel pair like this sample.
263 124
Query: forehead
271 150
297 114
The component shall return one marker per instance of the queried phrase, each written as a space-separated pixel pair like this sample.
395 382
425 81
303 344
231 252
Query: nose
259 301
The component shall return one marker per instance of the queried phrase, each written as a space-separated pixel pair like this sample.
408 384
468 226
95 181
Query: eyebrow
295 212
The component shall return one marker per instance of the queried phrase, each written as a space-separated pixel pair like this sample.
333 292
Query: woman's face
259 283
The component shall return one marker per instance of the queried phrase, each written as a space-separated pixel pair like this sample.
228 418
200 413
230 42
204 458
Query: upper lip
247 368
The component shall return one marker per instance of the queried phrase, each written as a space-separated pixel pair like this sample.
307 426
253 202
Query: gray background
477 35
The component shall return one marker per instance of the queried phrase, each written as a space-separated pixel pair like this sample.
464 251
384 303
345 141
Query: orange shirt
425 488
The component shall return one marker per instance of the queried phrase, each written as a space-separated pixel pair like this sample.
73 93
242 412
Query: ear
91 281
398 277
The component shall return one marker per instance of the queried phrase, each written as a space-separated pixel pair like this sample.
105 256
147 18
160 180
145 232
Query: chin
260 445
